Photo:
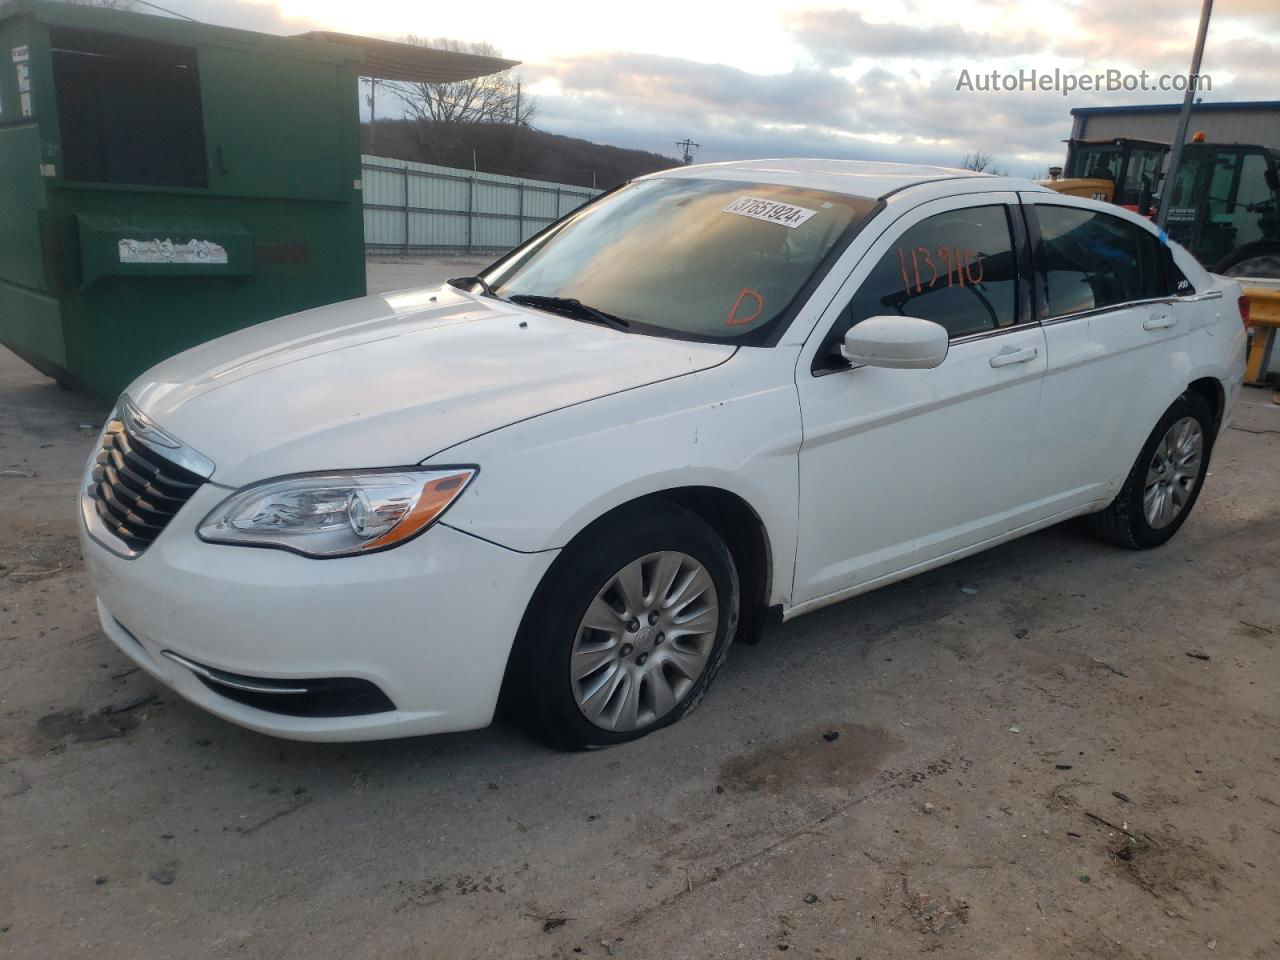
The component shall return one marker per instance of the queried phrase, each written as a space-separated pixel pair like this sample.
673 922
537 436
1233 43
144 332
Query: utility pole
1184 117
373 114
688 148
515 130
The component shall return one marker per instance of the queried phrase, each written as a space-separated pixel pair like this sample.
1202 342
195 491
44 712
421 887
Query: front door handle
1162 322
1025 355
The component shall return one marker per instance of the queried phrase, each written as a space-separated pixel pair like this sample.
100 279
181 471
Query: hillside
504 149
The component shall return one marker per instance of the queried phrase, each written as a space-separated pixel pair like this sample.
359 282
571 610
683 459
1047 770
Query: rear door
899 467
1113 332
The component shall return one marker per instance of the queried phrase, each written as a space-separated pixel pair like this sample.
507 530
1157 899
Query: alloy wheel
1173 473
644 641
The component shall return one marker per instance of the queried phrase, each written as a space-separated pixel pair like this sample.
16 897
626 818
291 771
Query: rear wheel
1265 266
1165 480
627 631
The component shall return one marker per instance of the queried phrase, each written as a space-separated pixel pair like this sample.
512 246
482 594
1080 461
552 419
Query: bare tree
496 98
980 162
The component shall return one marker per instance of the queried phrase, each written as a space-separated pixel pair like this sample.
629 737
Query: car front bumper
430 624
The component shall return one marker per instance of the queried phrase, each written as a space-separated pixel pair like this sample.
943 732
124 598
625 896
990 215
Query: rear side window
1090 260
957 269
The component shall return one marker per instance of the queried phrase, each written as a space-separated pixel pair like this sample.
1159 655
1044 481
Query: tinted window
1153 275
1090 260
710 259
956 268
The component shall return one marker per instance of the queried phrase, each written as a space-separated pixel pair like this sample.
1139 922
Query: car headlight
336 514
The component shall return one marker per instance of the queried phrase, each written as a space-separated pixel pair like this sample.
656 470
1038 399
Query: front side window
956 268
716 260
1089 260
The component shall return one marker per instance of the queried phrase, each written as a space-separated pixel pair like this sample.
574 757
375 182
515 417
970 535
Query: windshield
701 259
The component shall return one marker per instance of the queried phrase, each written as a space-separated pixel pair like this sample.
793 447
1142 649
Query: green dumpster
163 182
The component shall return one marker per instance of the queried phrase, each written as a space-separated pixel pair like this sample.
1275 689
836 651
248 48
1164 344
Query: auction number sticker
770 211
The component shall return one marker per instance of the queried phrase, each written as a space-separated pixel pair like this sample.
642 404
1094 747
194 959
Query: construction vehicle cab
1225 207
1121 170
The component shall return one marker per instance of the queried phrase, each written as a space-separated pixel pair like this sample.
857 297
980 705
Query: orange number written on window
923 269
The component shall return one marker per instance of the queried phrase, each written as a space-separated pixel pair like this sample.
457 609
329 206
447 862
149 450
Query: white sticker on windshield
770 211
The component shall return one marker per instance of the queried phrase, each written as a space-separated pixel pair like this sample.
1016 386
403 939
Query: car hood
391 380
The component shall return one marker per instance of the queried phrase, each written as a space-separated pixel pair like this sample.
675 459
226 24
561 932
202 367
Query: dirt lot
1055 749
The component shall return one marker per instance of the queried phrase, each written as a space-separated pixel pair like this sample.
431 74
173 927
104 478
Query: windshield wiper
463 282
570 307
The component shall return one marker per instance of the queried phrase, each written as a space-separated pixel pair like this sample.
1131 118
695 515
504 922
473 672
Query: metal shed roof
392 60
1214 106
371 56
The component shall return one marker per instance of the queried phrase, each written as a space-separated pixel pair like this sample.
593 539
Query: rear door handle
1162 322
1025 355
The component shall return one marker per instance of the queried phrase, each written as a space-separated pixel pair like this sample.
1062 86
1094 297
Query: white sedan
717 395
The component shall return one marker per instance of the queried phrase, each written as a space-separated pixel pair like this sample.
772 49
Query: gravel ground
1054 749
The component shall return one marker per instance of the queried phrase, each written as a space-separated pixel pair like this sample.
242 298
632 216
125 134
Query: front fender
735 427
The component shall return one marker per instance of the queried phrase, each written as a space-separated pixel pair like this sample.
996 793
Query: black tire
1124 522
1261 266
537 690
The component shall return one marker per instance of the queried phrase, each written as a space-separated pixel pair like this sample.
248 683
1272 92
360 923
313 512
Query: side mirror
904 343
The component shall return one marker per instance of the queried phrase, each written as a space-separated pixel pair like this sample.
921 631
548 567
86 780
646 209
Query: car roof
860 178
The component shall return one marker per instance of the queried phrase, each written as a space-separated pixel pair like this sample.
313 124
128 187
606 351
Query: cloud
1150 35
883 114
687 89
835 38
261 15
843 85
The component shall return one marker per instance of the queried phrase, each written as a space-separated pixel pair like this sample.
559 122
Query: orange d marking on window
733 320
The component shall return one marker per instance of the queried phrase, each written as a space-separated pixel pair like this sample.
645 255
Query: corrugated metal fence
424 208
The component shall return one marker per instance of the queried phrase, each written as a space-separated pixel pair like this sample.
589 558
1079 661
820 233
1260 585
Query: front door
899 467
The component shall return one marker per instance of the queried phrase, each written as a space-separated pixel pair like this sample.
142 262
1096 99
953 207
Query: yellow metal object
1264 318
1092 188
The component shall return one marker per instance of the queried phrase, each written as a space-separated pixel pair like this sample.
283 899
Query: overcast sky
771 78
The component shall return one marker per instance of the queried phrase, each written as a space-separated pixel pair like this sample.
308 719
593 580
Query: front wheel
1165 480
627 631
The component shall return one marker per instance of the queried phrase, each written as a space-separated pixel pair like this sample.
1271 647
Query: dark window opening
128 110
